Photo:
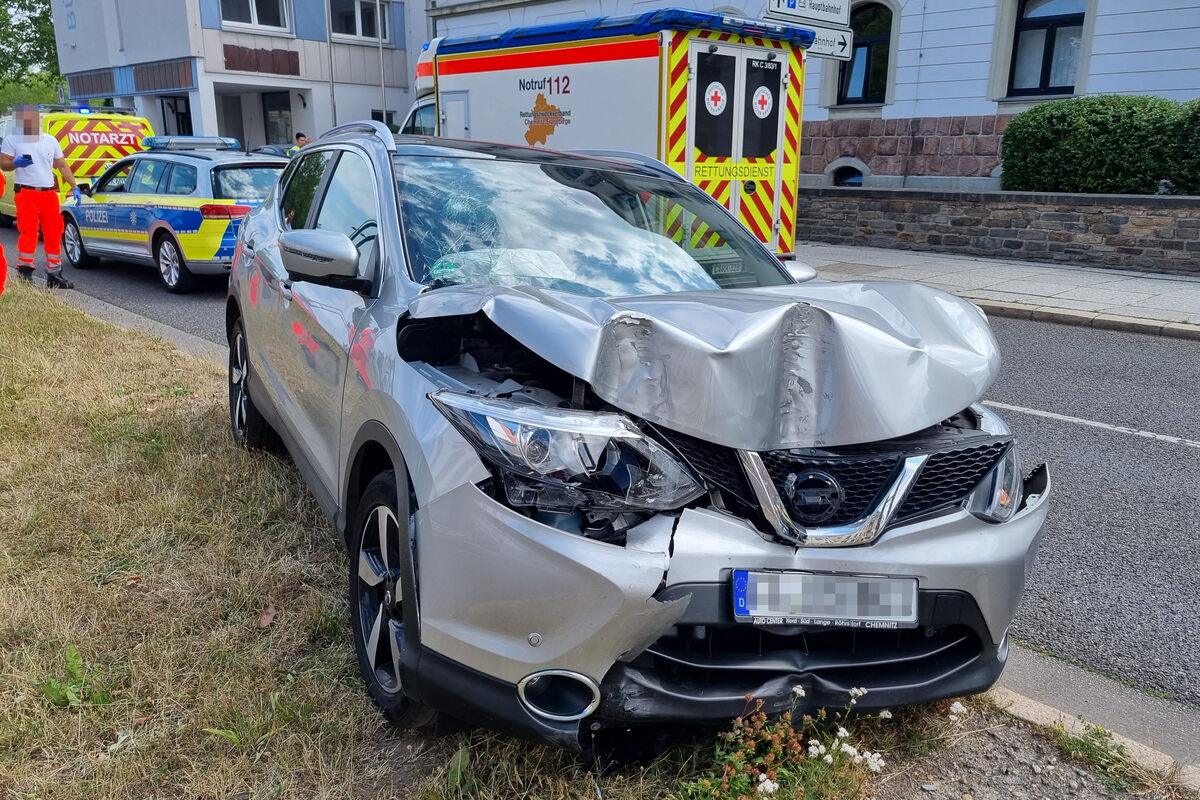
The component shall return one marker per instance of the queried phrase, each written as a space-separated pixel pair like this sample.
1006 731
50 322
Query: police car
177 205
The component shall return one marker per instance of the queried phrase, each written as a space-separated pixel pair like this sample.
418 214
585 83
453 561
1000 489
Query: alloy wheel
379 595
72 243
238 398
168 262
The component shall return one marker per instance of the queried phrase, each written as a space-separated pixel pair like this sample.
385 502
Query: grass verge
140 551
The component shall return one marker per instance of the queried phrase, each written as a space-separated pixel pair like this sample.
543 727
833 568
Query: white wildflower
885 714
954 717
849 750
814 752
857 692
958 708
813 743
843 733
798 690
766 787
828 759
858 759
874 761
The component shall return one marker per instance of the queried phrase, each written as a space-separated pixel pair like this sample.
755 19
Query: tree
27 45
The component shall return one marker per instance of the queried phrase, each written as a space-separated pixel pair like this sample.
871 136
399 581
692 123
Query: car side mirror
799 271
315 255
85 188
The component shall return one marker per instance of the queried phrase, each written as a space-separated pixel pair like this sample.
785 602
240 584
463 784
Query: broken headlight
998 495
559 459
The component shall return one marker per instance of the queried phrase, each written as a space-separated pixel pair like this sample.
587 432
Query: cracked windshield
576 229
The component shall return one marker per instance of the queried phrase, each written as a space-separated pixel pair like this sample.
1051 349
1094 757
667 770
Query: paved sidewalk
1091 296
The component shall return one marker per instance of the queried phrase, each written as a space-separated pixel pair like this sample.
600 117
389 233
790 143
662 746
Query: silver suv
601 460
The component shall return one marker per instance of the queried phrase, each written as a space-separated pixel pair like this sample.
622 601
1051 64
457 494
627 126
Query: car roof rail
381 131
631 157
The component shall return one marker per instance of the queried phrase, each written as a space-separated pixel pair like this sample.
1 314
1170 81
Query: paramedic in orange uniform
3 263
35 155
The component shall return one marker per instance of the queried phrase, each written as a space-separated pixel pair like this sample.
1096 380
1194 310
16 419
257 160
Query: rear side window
182 180
302 188
244 181
349 206
146 177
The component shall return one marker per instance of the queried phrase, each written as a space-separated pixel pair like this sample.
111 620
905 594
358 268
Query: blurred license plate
804 598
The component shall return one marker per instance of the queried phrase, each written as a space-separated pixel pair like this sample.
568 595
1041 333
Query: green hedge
1189 149
1110 144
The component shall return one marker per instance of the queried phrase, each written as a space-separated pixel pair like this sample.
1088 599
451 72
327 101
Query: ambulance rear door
736 129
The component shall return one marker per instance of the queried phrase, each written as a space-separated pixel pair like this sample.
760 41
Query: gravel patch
994 757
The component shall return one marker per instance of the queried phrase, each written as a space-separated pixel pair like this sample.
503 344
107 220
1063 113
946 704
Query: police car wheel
72 246
171 268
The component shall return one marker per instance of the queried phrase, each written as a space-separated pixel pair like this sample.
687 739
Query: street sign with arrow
831 42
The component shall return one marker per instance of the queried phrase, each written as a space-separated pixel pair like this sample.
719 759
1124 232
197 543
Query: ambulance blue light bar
628 25
191 143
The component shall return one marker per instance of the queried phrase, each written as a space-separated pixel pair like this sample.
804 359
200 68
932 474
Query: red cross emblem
763 102
714 98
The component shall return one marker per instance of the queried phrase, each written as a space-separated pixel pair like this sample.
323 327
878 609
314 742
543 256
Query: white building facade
932 83
257 70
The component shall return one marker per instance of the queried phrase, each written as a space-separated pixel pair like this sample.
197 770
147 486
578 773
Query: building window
258 13
177 116
863 79
848 176
388 119
277 114
362 19
1046 47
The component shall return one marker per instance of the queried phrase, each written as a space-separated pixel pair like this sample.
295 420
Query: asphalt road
137 288
1116 586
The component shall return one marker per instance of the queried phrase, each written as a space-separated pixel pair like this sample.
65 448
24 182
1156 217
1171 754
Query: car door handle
285 289
248 248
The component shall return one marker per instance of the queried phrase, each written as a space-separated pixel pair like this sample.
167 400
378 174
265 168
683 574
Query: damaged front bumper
645 633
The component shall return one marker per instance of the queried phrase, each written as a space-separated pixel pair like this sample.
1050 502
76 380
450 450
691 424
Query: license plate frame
770 598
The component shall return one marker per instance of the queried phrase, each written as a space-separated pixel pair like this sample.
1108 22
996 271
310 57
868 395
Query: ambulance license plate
806 598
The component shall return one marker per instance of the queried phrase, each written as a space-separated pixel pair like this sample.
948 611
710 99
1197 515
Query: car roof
215 157
409 145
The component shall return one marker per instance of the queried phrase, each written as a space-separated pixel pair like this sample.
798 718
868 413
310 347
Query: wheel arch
233 312
373 451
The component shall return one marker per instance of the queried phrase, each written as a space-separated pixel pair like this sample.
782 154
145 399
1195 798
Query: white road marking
1160 437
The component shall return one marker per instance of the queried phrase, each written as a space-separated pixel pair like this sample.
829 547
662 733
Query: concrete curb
1090 319
187 342
1030 710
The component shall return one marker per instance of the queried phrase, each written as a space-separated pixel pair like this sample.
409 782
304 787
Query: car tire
172 270
250 428
376 592
73 249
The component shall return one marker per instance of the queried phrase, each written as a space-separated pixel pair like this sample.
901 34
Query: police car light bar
191 143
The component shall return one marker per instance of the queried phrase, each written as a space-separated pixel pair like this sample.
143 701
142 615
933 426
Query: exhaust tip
559 695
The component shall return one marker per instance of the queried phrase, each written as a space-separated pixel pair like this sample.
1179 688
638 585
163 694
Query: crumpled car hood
813 364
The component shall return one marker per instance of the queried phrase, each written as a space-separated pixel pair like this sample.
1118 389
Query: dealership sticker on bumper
804 598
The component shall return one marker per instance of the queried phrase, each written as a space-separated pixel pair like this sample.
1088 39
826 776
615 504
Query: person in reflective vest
301 140
34 156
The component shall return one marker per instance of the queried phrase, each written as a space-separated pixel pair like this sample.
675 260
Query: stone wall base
1151 233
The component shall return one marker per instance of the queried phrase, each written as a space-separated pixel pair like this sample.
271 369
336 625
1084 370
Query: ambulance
90 141
717 98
